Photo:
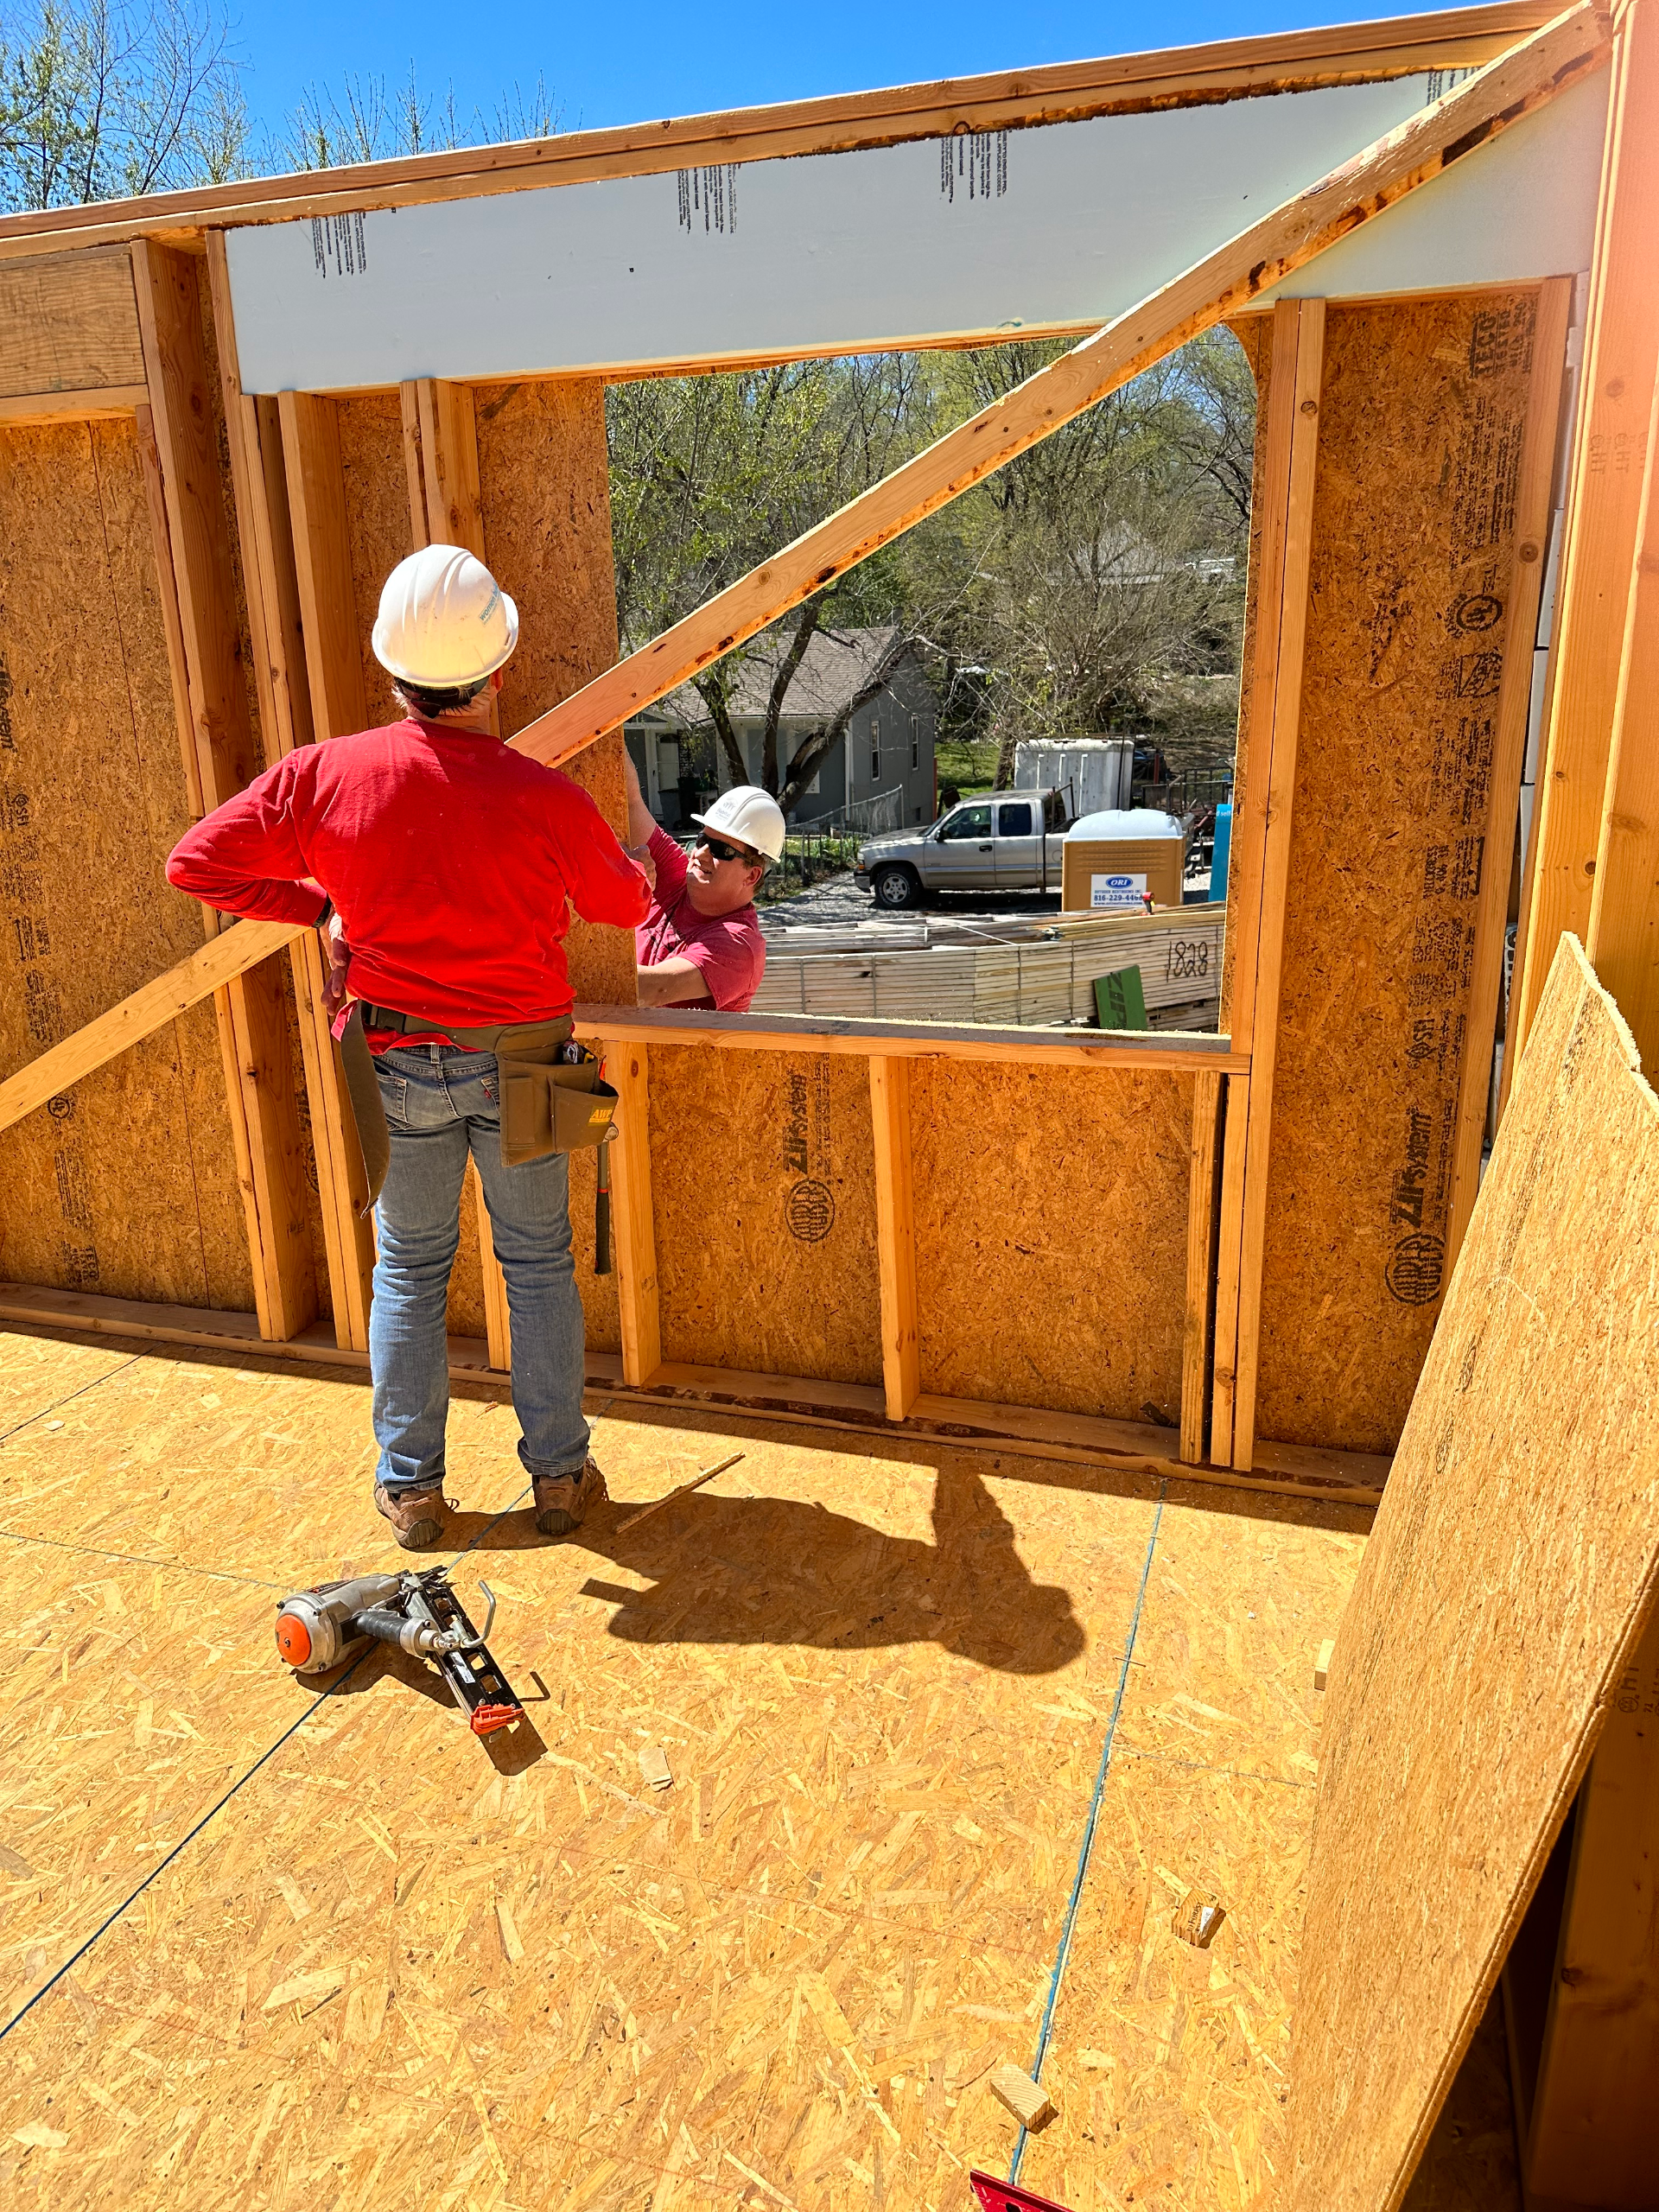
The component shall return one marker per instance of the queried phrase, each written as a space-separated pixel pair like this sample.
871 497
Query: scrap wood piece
512 1944
1495 1610
1025 2099
696 1481
1197 1917
653 1764
1322 1664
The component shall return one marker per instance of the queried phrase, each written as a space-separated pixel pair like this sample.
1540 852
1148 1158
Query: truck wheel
895 888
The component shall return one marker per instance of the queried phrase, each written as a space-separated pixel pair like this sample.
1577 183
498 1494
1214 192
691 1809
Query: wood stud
1600 545
1535 479
328 613
445 508
1589 2139
633 1224
1623 930
194 562
1275 712
895 1233
1208 1092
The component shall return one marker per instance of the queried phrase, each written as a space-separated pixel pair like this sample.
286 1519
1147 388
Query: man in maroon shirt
701 943
451 862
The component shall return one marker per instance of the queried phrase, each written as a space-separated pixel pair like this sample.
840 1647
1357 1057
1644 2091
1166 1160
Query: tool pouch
568 1107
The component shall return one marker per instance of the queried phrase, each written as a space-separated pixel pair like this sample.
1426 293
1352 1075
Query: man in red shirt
450 860
701 943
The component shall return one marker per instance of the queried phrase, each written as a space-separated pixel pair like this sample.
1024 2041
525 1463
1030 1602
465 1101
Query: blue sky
620 64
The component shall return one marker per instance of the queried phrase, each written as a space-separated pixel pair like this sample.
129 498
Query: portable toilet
1113 861
1224 850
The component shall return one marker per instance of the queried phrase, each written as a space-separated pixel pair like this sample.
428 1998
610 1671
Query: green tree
1102 563
1067 592
101 98
712 475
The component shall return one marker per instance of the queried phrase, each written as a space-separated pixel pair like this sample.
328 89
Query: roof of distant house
835 668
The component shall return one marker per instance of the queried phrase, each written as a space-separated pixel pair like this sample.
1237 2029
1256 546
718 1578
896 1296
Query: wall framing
293 565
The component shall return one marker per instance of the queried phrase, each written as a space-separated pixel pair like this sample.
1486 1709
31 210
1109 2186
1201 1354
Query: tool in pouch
553 1097
316 1630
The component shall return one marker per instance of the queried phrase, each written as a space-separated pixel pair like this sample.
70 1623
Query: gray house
886 748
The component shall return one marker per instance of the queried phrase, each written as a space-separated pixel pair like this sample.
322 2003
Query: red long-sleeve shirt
448 856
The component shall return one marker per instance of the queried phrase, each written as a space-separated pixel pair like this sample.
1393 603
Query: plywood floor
335 1952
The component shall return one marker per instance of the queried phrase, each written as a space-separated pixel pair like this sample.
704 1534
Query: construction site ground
335 1951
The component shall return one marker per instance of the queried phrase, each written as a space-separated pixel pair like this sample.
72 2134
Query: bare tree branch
818 748
806 625
710 686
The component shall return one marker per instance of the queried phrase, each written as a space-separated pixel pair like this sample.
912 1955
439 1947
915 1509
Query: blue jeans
440 1104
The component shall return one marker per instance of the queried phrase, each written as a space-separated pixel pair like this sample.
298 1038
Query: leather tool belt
548 1103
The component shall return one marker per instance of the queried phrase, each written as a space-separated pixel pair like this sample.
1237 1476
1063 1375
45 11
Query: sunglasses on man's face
722 851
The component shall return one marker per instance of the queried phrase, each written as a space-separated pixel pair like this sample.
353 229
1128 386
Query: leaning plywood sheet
1513 1560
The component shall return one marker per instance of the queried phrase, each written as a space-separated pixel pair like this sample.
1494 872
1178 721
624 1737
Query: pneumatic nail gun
316 1630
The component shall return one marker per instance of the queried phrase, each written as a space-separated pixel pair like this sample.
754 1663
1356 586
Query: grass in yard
968 763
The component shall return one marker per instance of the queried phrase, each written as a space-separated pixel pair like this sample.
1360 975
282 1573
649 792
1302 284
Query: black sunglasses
722 851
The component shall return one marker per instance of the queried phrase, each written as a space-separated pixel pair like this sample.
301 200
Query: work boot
562 1500
417 1517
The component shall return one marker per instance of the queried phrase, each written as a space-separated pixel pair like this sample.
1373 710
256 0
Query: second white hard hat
444 621
749 816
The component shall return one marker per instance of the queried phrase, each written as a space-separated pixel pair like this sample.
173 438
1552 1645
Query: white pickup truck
1007 841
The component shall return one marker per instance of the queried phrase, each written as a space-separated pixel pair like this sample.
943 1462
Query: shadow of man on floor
770 1570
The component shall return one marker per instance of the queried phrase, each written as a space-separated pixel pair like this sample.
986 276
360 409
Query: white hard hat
444 621
749 816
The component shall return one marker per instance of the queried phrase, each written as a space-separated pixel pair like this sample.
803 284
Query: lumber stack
1044 982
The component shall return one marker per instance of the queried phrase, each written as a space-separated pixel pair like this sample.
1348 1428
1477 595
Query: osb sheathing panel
543 472
127 1184
1420 438
763 1184
1051 1235
377 525
394 1972
1167 2063
1513 1562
